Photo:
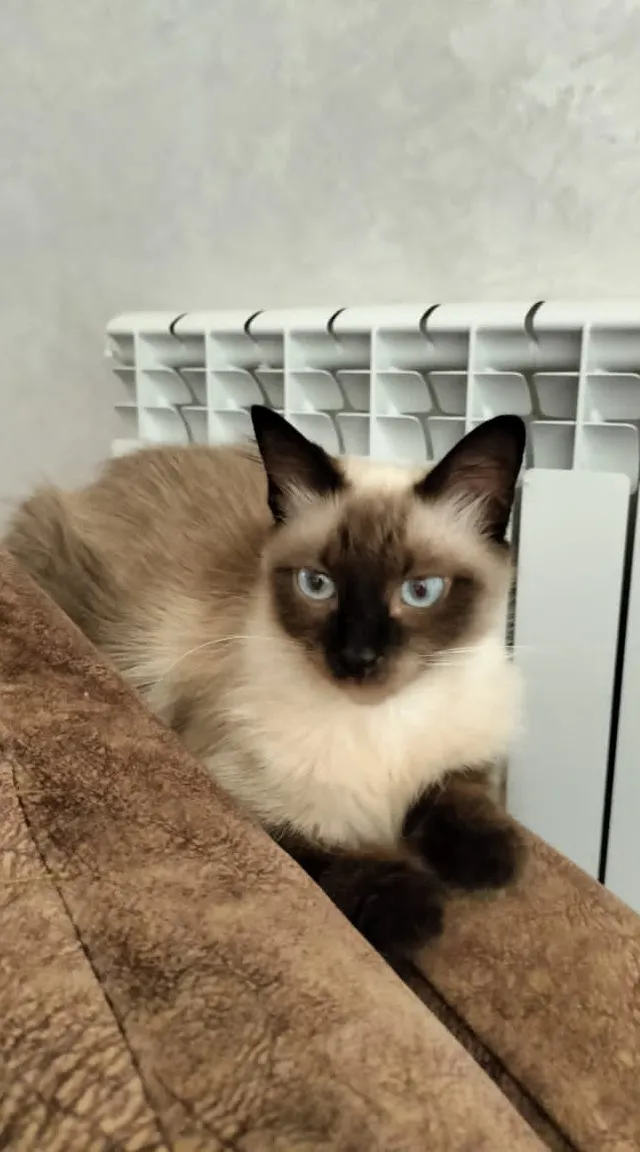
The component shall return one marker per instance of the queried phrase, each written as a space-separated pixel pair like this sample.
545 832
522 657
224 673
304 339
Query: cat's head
380 572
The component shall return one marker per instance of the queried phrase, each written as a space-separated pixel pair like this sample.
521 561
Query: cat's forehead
397 532
374 513
370 525
380 520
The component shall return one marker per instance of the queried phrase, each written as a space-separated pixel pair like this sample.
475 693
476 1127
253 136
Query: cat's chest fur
345 773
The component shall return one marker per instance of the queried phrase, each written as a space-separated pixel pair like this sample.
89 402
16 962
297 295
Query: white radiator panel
406 383
570 566
623 857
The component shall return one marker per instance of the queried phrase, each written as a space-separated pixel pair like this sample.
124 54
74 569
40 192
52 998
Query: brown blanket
170 980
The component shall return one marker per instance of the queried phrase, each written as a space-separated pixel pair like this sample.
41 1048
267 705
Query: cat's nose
358 661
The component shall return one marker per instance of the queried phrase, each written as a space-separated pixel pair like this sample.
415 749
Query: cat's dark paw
475 856
394 904
471 846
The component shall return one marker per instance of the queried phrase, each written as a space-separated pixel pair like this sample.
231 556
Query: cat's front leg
396 903
464 836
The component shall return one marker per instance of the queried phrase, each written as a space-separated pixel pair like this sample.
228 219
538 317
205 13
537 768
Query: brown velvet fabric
547 978
168 978
528 1107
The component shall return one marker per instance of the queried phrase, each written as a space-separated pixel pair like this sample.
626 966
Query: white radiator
406 383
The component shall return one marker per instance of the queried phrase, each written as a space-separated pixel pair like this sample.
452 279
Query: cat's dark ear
482 469
297 469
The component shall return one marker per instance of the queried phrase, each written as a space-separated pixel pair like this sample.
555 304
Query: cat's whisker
508 648
211 644
445 660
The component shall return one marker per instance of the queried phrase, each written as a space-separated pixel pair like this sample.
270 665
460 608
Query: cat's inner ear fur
297 469
481 472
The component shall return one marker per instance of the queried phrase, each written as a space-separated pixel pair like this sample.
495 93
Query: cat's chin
371 689
365 691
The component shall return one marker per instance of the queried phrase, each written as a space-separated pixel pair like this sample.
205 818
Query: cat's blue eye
424 592
315 585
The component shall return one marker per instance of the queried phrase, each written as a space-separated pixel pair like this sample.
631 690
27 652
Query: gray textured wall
184 153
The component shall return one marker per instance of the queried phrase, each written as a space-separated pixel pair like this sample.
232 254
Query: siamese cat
326 634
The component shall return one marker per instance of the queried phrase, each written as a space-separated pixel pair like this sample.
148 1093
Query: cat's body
172 565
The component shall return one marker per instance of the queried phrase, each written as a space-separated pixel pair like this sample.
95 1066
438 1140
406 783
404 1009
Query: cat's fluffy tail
47 540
